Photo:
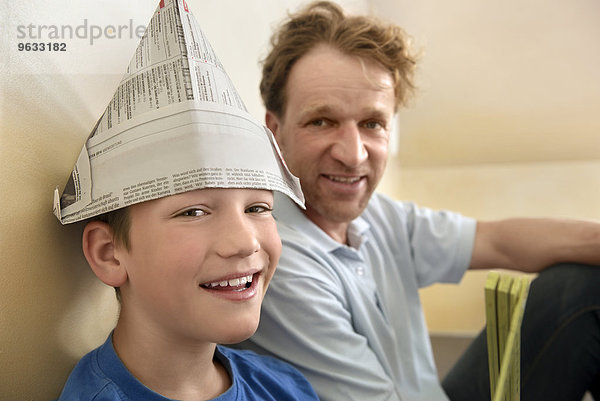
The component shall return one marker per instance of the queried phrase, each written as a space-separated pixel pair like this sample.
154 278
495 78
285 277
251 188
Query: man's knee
568 282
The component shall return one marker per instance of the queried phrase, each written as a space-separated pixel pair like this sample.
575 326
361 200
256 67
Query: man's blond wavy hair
324 22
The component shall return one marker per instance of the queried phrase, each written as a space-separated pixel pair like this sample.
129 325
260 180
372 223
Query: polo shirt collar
289 213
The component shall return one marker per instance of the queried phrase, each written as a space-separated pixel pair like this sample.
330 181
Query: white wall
501 82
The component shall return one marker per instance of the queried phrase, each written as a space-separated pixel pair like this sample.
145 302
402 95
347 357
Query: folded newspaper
175 123
505 300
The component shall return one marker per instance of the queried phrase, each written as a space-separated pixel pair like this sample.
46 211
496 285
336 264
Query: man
344 305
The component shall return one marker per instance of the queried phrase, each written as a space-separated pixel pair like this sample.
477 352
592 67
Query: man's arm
532 244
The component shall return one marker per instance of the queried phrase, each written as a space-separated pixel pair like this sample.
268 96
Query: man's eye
192 213
318 123
258 209
373 125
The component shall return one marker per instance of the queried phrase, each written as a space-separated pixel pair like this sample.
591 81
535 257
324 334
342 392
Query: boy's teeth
232 283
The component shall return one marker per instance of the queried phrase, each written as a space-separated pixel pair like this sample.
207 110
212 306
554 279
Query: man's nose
349 147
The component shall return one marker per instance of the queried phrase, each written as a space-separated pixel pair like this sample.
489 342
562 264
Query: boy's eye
192 213
258 209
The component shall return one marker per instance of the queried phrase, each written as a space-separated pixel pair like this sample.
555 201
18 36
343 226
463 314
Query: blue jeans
560 342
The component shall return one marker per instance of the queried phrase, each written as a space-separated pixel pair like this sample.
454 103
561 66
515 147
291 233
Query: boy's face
190 263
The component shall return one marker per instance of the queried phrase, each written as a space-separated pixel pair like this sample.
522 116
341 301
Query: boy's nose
237 237
349 147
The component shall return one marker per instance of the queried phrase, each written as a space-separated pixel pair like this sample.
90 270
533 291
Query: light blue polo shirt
349 317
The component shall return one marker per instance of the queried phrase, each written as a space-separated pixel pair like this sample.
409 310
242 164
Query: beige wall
493 191
505 122
53 310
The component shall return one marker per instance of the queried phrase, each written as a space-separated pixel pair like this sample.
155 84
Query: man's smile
343 179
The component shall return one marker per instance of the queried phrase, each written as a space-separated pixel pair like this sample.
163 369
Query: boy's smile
199 263
235 289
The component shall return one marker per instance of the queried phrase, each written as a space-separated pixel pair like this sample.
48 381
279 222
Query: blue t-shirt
101 376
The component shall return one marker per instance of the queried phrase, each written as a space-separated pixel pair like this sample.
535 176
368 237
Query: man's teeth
345 180
232 283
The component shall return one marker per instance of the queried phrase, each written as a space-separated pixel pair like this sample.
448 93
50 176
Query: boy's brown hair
119 223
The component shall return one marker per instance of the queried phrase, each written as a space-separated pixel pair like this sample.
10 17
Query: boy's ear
99 250
272 122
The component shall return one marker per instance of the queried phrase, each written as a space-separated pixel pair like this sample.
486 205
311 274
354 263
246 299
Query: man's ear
272 122
99 250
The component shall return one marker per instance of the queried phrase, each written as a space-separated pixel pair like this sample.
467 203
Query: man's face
190 261
335 130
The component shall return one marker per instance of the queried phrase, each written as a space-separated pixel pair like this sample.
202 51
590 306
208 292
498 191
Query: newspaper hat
176 123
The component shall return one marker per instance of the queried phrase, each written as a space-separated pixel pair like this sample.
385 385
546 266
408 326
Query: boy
177 192
192 270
